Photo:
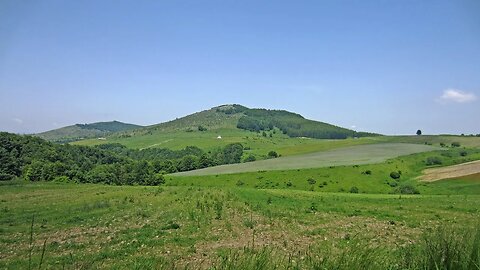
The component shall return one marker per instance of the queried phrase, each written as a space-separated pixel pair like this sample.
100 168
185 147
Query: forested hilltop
35 159
291 124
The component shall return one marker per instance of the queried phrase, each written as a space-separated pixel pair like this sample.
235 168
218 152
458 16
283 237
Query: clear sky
382 66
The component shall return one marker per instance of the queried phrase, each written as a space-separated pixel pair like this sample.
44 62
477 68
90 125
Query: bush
353 190
311 181
395 175
433 161
407 189
463 153
455 144
367 172
393 184
250 158
272 154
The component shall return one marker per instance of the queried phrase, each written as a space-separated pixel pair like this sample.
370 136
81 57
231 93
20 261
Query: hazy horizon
376 66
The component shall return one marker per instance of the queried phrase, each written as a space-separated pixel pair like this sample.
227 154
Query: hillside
259 130
83 131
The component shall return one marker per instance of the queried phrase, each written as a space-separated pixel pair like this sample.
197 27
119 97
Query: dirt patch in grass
435 174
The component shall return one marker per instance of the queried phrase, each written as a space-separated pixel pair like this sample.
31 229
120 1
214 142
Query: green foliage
353 189
250 158
37 160
395 175
202 128
455 144
188 163
272 154
419 132
232 153
433 161
294 125
407 189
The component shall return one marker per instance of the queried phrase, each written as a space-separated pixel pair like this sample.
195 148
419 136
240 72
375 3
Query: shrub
433 161
353 190
463 153
272 154
202 128
250 158
393 184
395 175
311 181
367 172
407 189
240 183
455 144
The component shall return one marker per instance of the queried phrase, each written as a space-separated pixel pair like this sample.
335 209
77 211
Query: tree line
293 125
35 159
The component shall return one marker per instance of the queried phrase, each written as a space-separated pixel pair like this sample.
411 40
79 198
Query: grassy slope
343 178
182 132
354 155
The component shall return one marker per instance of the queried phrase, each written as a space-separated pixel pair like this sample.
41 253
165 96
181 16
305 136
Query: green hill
84 131
259 130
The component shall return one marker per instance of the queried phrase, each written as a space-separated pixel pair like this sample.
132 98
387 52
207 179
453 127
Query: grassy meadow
340 217
354 155
94 226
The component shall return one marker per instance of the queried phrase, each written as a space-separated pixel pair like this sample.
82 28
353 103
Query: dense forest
35 159
292 124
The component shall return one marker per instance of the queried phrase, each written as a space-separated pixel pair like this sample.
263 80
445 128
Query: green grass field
335 217
354 155
94 226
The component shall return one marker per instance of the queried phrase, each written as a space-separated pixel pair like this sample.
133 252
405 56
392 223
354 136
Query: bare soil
459 170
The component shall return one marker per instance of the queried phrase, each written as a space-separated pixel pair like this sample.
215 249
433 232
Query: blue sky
383 66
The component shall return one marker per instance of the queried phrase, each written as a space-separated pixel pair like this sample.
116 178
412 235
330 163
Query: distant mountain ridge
85 131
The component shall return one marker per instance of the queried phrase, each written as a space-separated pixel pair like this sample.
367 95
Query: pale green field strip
354 155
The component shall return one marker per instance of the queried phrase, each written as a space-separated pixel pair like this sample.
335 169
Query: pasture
349 215
96 226
354 155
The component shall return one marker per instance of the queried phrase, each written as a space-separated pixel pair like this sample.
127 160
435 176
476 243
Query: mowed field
353 155
454 171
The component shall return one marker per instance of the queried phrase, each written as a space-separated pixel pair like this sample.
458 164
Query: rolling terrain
82 131
264 130
353 155
343 203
